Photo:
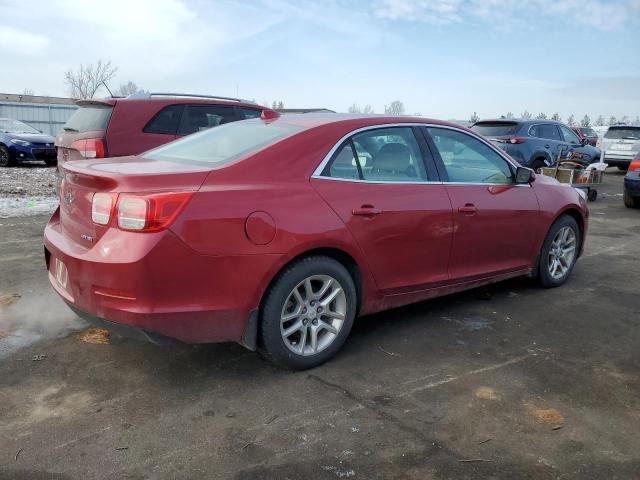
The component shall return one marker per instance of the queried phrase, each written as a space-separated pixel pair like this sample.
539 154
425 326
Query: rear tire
307 313
623 168
559 252
629 201
5 157
51 162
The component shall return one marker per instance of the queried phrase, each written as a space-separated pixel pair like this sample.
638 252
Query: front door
494 219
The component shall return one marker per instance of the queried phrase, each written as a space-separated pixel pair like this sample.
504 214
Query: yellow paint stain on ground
96 336
550 416
3 334
8 299
485 393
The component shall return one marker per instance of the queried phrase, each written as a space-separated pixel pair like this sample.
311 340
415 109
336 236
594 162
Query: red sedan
278 232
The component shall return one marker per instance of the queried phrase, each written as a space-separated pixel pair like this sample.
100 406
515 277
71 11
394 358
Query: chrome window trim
317 173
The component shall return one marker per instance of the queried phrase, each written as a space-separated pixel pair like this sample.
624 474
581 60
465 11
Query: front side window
166 121
569 136
223 144
202 117
468 160
380 155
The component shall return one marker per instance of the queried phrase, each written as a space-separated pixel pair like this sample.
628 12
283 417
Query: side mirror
524 176
584 142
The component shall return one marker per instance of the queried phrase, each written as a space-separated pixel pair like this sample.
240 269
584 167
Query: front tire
629 201
559 252
51 162
537 164
5 157
307 313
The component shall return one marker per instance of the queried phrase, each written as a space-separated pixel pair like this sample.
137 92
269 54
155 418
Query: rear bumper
155 285
632 185
618 160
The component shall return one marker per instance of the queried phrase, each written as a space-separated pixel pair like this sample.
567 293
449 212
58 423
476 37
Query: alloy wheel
562 252
313 314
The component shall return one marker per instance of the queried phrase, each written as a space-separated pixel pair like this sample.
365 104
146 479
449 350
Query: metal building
47 114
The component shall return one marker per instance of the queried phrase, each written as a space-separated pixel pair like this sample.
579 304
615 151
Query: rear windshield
631 133
223 144
495 129
89 118
588 132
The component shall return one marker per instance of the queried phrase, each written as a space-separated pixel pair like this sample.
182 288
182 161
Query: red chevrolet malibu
278 232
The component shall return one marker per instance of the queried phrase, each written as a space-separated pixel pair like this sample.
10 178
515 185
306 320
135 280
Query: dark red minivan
278 232
116 127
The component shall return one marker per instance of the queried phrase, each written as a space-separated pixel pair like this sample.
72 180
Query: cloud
26 43
605 15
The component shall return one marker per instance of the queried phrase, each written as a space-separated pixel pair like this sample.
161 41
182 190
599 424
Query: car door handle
469 209
366 210
547 146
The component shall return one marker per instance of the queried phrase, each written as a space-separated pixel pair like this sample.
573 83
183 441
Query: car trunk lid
131 175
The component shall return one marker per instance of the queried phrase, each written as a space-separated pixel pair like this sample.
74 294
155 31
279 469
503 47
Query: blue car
632 184
537 143
19 141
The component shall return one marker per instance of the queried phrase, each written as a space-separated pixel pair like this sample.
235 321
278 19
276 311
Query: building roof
19 98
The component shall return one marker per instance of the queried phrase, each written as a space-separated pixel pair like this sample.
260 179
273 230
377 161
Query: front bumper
154 284
32 152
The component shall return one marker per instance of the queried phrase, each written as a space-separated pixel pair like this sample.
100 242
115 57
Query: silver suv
620 144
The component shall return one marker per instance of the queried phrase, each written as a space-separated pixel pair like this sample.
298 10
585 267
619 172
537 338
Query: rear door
391 202
494 219
553 143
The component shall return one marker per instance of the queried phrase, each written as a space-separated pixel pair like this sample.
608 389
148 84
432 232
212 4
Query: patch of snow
12 206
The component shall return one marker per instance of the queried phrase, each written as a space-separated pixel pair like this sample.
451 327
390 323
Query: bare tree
526 115
636 122
279 105
368 109
509 115
600 121
396 108
87 80
541 116
474 118
127 89
571 119
556 117
624 120
586 121
612 120
27 91
355 108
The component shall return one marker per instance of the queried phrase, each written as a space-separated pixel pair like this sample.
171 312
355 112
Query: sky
441 58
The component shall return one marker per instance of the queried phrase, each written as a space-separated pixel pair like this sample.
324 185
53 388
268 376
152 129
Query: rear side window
380 155
202 117
630 133
549 131
224 144
250 112
495 129
166 121
89 118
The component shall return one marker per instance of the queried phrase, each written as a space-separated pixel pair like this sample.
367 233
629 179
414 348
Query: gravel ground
28 189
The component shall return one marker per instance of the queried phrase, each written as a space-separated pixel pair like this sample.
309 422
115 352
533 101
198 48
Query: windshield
588 132
223 144
631 133
495 129
15 126
89 118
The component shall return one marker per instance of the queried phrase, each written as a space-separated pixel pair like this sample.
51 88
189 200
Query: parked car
20 142
116 127
620 144
273 233
632 184
537 143
586 132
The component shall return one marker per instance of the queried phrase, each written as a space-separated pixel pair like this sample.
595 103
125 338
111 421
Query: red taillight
90 147
150 213
513 140
102 207
634 166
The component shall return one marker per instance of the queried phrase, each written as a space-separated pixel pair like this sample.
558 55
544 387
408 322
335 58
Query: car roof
520 120
312 120
169 100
